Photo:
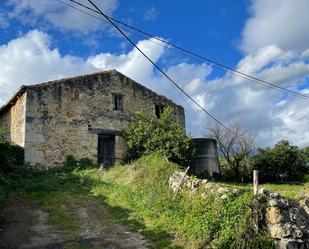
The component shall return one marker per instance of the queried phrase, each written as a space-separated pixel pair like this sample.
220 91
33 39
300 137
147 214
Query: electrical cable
157 67
202 58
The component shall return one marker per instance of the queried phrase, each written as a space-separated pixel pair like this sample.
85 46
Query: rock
279 231
204 181
292 244
273 215
273 195
263 191
288 223
222 190
304 202
235 191
209 185
278 202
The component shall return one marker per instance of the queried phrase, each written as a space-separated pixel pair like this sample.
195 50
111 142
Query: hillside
139 197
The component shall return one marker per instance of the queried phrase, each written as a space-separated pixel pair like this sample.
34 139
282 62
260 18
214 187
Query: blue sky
42 40
211 28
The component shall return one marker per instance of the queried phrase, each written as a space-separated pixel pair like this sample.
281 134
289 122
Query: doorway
106 150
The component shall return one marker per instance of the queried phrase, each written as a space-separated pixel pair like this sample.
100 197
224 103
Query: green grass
291 191
138 196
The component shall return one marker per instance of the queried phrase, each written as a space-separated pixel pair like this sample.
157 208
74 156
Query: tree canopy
149 134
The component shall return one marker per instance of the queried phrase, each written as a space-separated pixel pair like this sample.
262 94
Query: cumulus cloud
269 113
30 59
59 15
284 23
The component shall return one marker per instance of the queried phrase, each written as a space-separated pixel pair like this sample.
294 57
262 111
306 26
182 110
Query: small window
159 110
76 94
118 102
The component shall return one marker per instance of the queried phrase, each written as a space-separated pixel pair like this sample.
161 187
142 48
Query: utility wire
214 63
157 67
150 40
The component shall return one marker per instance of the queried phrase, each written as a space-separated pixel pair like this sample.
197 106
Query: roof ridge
24 88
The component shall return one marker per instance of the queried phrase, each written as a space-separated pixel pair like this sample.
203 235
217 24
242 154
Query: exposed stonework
13 119
192 184
64 117
288 222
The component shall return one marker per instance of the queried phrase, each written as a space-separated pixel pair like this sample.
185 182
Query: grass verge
138 196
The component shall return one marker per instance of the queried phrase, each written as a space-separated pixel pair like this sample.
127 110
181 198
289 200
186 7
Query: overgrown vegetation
12 168
282 162
149 134
139 196
3 133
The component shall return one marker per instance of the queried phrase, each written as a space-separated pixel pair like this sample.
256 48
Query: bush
71 163
85 163
282 162
10 155
245 170
164 135
3 133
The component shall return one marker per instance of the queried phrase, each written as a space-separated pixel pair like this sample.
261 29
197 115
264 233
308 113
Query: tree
149 134
235 144
282 162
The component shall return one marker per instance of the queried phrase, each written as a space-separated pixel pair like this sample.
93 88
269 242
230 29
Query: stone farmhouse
83 116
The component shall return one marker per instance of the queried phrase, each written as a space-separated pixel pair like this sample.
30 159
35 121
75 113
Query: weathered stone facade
66 117
13 119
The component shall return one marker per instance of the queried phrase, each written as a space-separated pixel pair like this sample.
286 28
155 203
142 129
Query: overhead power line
136 34
157 67
216 64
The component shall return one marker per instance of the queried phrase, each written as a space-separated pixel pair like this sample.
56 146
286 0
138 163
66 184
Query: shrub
71 163
245 170
85 163
282 162
165 135
10 155
3 133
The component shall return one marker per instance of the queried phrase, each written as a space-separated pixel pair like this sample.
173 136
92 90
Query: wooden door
106 150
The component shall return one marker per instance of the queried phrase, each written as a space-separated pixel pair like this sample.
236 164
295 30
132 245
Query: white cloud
132 64
59 15
269 113
30 59
284 23
150 14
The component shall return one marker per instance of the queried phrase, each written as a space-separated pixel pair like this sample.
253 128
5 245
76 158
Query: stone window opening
76 94
159 108
118 102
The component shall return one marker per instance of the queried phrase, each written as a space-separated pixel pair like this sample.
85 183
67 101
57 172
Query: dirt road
27 226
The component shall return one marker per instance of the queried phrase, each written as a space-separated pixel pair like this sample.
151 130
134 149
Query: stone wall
13 119
287 221
63 116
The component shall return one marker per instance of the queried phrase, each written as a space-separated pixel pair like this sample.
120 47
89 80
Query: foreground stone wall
13 119
287 221
64 117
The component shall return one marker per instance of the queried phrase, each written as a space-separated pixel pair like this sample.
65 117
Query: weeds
138 195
